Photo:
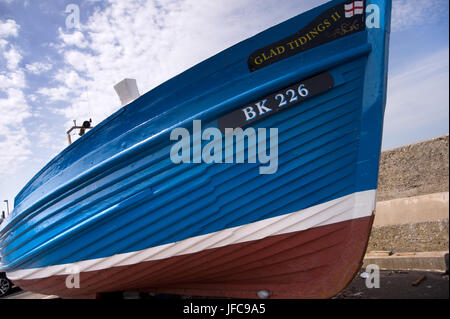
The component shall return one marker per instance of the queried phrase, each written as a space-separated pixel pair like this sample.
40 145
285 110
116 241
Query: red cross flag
354 8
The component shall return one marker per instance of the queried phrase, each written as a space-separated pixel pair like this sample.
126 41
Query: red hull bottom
315 263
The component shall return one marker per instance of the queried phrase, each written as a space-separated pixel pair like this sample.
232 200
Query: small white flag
354 8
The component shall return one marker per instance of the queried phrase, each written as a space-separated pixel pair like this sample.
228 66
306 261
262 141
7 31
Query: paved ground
399 285
393 285
17 293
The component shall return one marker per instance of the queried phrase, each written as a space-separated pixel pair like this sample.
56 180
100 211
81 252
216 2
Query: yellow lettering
291 45
303 40
321 27
258 60
272 53
314 32
281 50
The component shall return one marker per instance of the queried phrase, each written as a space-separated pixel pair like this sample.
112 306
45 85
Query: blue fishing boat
253 174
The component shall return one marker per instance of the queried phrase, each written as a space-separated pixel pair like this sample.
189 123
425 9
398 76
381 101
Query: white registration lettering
249 113
262 108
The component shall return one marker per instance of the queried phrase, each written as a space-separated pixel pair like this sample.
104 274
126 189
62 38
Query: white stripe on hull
349 207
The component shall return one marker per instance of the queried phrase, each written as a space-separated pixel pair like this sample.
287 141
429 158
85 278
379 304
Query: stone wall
416 169
413 237
413 198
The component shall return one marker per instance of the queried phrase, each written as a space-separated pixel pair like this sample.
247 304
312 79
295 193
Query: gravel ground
393 285
399 285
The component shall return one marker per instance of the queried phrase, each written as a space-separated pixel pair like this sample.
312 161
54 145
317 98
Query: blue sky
50 75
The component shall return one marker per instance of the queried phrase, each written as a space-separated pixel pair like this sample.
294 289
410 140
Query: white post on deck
127 90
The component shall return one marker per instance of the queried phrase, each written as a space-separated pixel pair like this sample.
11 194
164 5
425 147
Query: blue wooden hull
116 191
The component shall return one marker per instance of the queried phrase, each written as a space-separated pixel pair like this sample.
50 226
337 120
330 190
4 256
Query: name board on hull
335 23
278 101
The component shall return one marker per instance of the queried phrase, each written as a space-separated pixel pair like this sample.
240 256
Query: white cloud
12 57
407 13
14 109
14 143
55 94
11 80
38 67
32 97
75 38
8 28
